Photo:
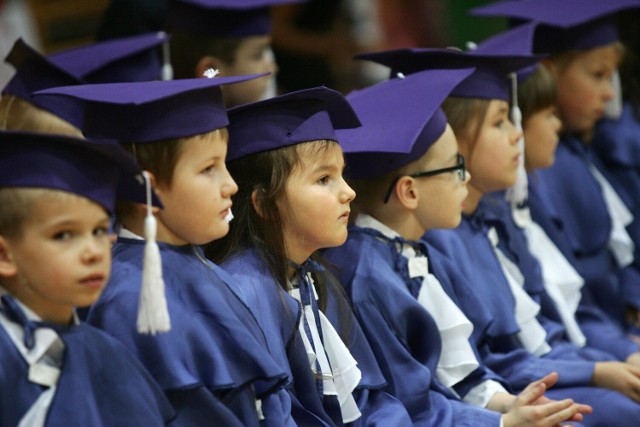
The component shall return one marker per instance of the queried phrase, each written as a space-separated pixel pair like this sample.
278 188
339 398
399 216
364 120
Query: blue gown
601 332
100 384
568 203
279 315
477 273
403 335
616 145
215 350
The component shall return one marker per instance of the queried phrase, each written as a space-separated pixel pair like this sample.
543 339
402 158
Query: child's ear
207 62
406 192
256 204
7 265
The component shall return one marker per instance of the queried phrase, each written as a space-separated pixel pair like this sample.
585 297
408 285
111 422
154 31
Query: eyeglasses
459 168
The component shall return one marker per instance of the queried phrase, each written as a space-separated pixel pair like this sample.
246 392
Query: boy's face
63 257
199 197
316 211
585 87
494 157
254 56
541 138
441 196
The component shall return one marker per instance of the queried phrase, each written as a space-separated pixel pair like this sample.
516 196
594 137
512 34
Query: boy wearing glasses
409 177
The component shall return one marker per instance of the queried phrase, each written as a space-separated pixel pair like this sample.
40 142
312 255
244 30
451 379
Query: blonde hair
16 114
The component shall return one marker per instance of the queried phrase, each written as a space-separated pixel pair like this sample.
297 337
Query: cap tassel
153 316
166 73
518 194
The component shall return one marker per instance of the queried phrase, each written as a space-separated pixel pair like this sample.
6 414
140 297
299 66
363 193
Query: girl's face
316 210
541 138
493 158
584 87
63 257
198 200
442 196
253 56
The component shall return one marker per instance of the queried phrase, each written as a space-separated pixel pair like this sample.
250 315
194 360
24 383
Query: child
512 341
228 35
123 60
570 303
585 53
57 195
293 201
419 335
177 132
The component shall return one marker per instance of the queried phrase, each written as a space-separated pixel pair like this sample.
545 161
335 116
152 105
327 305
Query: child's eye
208 169
62 235
101 231
323 180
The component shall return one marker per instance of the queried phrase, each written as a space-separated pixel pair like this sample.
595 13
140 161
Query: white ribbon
561 281
532 335
339 372
620 243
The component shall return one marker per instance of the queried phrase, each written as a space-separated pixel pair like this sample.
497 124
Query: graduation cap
128 59
145 112
564 25
401 118
296 117
488 81
101 171
222 18
141 112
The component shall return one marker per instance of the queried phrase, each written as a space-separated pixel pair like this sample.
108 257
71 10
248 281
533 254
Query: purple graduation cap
222 18
489 81
141 112
101 171
296 117
401 118
564 24
129 59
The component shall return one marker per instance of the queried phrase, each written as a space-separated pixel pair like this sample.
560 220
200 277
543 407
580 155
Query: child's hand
634 359
532 408
619 376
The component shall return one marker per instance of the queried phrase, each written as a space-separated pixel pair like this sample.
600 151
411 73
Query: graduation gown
100 384
616 145
569 204
603 335
478 274
403 335
279 315
215 350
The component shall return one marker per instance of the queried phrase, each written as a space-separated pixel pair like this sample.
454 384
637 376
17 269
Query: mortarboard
564 24
296 117
401 118
140 112
128 59
101 171
222 18
489 80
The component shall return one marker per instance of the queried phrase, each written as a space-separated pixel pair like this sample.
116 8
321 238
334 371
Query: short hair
160 158
537 92
187 50
564 59
466 115
16 114
16 207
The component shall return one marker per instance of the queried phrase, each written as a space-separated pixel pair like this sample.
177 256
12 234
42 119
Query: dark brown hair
188 49
537 92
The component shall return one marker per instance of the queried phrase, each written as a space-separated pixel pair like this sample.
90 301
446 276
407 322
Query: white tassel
166 73
519 193
153 316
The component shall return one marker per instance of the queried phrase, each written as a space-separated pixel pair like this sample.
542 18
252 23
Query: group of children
443 248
